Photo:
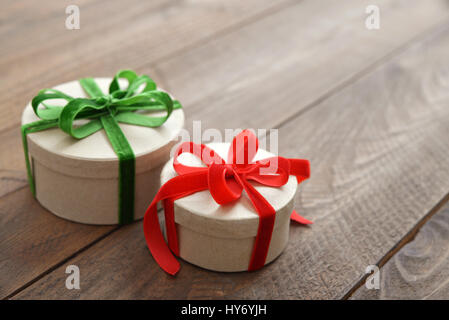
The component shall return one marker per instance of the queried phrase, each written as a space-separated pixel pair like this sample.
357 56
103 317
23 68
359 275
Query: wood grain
113 35
12 165
420 270
39 52
290 60
33 240
322 34
379 154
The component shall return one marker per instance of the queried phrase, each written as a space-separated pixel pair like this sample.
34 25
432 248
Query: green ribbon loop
104 111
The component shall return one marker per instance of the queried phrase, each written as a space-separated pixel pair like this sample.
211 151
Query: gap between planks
72 256
245 22
410 236
370 68
59 264
220 33
381 61
323 97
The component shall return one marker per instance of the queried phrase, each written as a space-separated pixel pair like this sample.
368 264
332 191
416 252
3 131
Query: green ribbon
104 111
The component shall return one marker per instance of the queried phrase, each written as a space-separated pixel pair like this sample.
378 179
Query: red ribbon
225 181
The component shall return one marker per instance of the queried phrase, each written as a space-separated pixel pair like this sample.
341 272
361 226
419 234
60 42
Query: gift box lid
200 212
94 156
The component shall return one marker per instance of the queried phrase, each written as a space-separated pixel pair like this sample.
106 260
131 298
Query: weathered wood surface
43 242
420 270
39 52
290 60
218 57
379 154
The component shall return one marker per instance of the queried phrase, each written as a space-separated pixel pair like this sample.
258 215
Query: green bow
104 111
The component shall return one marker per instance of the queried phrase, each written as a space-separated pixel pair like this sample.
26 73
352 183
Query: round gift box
221 237
78 179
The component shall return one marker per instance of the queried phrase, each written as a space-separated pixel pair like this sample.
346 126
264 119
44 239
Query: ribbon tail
297 218
156 242
173 189
170 226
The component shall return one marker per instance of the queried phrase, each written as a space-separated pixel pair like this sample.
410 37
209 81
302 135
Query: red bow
225 181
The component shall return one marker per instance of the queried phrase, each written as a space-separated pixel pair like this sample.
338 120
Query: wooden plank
11 180
12 164
33 240
303 77
420 270
379 154
290 60
113 35
35 39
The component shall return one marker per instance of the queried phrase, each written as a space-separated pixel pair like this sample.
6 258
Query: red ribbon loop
222 184
225 182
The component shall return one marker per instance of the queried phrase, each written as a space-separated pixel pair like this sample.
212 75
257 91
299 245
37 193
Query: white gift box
79 179
221 237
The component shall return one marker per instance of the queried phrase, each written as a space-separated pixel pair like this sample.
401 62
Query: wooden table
369 108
